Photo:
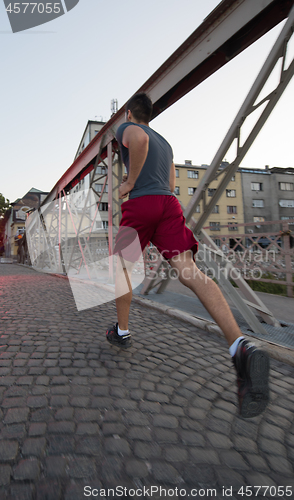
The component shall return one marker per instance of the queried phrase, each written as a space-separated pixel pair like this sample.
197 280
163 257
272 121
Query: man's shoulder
121 129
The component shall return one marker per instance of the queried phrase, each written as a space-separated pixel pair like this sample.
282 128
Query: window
214 226
211 192
215 209
286 217
101 224
98 188
233 225
177 190
256 186
197 209
286 186
191 191
286 203
103 207
231 209
231 193
177 172
193 174
100 170
257 203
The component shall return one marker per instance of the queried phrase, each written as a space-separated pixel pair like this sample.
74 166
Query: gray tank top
155 174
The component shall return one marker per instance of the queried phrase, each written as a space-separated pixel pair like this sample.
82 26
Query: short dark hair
141 107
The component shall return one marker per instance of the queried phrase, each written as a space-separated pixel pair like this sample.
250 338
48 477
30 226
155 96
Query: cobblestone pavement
77 412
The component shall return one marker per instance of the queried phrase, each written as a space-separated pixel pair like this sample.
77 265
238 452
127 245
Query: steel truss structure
231 27
250 105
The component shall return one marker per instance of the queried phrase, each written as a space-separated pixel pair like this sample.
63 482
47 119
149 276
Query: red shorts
155 218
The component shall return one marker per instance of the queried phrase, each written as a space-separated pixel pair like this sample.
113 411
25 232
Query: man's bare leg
123 292
208 293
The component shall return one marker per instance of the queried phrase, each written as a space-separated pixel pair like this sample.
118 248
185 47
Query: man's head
140 106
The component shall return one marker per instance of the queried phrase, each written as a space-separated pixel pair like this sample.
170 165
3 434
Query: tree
4 205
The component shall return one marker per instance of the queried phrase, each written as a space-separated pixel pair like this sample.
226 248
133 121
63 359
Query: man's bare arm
137 142
172 178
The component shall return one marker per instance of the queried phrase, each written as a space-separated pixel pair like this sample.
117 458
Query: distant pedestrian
156 215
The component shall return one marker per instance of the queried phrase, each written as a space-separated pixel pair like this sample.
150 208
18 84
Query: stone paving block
165 473
176 454
258 479
140 433
163 435
280 465
136 418
43 415
230 478
37 429
136 468
60 389
257 462
149 407
22 492
34 446
14 431
166 421
273 447
8 450
219 440
5 473
103 403
28 469
119 446
59 400
62 427
13 402
189 437
81 467
90 445
26 380
80 401
60 444
55 466
113 428
49 490
87 428
204 456
7 380
15 415
37 401
272 432
233 459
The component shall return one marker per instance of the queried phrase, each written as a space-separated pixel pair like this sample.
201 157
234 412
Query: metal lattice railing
266 256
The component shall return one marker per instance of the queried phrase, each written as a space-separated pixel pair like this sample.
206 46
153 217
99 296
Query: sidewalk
77 412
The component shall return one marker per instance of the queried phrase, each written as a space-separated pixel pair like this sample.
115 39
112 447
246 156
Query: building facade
268 195
229 209
15 219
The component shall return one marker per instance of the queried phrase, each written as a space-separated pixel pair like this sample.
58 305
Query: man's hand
124 189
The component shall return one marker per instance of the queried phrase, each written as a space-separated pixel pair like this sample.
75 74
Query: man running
155 214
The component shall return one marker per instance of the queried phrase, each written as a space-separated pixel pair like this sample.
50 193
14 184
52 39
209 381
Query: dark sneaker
119 340
252 367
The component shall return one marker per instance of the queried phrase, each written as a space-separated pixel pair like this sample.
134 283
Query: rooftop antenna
114 106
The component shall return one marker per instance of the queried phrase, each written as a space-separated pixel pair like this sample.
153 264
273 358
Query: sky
56 77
